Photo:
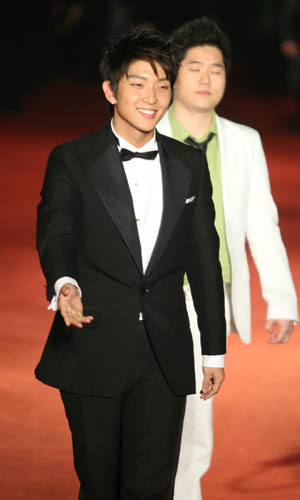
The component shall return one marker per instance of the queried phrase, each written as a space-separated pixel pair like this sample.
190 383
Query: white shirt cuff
217 361
53 306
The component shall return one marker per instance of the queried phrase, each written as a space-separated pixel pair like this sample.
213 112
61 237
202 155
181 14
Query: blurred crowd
41 40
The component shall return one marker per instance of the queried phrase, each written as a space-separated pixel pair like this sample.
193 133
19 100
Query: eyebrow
219 65
146 78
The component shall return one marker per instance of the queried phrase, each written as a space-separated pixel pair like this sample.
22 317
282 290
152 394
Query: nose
150 96
204 75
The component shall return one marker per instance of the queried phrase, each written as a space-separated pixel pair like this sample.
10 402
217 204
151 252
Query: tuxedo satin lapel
176 180
109 180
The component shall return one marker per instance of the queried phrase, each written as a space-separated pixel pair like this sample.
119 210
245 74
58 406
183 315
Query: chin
204 108
147 129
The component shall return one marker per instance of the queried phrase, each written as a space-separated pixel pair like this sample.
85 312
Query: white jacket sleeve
266 244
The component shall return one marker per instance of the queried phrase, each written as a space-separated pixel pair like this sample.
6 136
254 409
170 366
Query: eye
138 85
164 87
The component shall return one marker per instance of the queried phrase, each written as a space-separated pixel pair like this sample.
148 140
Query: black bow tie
128 155
199 145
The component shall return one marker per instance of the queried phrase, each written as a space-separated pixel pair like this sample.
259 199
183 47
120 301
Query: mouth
148 113
203 92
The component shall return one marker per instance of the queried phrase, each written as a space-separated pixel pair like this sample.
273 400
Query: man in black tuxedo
125 212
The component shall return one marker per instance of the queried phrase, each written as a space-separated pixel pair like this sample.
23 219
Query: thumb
66 290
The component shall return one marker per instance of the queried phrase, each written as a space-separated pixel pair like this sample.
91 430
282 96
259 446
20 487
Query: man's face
201 79
142 99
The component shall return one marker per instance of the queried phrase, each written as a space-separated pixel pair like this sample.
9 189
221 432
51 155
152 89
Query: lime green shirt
214 165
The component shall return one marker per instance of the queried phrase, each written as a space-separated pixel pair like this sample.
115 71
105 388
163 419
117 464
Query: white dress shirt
144 178
145 183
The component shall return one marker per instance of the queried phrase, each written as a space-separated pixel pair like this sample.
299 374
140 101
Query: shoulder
237 130
83 144
182 151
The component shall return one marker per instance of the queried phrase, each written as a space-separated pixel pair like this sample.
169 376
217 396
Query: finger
282 335
269 325
272 327
75 322
87 319
272 339
276 338
65 313
281 338
80 320
207 383
205 391
70 315
75 318
78 316
214 390
209 393
66 317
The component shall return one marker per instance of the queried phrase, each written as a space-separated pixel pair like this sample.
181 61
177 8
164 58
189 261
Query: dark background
50 93
43 40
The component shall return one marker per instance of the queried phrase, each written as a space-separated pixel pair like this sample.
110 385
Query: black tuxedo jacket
87 230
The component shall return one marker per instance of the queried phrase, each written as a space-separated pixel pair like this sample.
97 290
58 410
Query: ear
108 92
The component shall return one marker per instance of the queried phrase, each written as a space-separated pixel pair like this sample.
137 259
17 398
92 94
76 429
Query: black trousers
126 447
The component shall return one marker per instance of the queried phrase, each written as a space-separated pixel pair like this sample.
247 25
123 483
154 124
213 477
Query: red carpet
257 415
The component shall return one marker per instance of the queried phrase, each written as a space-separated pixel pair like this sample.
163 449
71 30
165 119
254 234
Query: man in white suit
245 210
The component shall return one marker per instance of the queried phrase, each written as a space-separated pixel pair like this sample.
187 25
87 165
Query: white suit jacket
250 213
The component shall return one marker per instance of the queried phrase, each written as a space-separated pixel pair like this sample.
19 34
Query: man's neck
197 123
135 137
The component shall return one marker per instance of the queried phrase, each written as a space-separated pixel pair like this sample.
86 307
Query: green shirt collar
180 133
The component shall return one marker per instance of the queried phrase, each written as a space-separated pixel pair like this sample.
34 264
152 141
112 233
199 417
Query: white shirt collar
149 146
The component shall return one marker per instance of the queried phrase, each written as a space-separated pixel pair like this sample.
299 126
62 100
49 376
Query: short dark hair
202 31
142 42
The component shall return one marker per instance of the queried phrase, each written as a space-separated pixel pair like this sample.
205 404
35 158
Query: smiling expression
201 79
142 99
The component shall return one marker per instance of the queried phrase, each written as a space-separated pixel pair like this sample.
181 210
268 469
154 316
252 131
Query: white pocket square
189 200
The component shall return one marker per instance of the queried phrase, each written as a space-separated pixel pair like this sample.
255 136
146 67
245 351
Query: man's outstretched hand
280 330
213 378
71 308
